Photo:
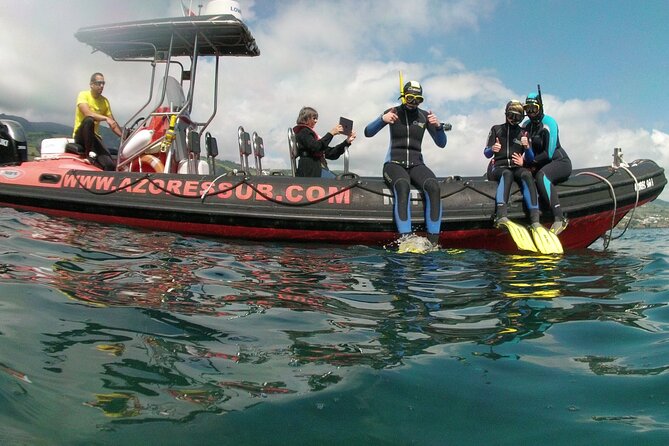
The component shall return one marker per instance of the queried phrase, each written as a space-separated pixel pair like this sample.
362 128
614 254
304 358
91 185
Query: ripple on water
155 326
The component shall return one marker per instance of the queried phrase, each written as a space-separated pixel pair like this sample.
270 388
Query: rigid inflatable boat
165 181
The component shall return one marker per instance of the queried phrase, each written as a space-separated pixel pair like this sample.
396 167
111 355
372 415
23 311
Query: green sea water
113 336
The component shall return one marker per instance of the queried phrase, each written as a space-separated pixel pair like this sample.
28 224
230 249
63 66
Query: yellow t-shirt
100 106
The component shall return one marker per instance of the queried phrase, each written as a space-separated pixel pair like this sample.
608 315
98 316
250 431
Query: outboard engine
13 143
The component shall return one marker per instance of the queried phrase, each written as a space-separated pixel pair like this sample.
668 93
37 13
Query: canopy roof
218 35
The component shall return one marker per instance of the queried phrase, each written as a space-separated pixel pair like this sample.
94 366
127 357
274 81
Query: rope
206 192
109 192
353 184
245 180
607 238
636 201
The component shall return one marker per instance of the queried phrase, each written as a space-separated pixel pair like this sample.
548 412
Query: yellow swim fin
519 234
546 241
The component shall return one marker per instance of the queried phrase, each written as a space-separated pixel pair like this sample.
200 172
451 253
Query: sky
602 66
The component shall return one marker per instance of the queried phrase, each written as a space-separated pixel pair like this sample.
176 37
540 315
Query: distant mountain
651 215
37 131
40 127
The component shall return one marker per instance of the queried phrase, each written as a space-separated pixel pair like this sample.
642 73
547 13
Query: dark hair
94 75
305 114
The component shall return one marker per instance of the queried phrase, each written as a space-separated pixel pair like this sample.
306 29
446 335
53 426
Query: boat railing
211 146
258 152
169 136
149 60
163 42
182 138
174 134
346 160
292 151
245 148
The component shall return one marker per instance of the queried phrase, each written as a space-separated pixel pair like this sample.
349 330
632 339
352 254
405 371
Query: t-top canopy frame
216 35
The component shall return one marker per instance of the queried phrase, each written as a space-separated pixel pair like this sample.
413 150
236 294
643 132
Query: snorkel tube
541 101
404 101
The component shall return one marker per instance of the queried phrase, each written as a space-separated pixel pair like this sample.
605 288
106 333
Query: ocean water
114 336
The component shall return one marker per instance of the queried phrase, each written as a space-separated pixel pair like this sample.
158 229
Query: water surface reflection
168 327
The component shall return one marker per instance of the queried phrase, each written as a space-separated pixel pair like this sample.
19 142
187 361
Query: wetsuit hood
531 100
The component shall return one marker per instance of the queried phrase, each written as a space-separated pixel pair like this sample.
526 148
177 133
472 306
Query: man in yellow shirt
93 108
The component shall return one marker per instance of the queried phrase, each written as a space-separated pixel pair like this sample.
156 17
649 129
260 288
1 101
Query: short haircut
305 114
94 75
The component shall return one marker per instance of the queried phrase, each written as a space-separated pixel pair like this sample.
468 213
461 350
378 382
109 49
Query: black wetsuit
550 161
404 166
506 171
85 136
314 151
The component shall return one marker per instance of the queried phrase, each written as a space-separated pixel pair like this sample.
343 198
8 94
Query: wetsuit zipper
406 119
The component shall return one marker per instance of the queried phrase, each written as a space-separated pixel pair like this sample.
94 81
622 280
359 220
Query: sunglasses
98 83
413 98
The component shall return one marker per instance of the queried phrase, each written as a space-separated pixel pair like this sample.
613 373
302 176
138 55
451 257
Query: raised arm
436 130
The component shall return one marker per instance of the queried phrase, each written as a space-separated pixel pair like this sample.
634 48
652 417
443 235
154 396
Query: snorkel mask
411 93
514 112
534 105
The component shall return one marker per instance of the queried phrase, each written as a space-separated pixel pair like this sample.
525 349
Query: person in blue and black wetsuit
505 148
549 158
404 163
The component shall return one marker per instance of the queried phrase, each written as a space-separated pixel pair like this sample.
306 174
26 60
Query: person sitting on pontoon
93 108
314 150
504 147
548 159
404 163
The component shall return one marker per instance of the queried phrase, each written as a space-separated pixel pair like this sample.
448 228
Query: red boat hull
347 210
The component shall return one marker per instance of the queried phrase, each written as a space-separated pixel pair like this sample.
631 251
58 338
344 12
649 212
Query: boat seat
244 140
258 152
211 146
75 149
197 166
292 151
174 94
51 147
